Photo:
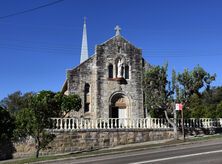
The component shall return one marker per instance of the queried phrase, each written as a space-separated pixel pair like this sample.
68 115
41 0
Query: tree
6 132
207 104
36 118
161 94
191 82
6 125
16 101
155 82
68 103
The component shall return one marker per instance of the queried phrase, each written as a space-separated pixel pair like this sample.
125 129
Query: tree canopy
207 104
161 93
6 125
33 113
35 119
16 101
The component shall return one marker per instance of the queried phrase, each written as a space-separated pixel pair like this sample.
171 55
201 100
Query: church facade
110 82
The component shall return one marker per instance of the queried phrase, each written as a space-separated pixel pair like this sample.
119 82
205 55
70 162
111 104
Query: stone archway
119 106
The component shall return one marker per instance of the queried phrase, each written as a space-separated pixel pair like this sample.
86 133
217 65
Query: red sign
179 106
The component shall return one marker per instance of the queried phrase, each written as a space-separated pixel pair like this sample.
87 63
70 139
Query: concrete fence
126 123
201 123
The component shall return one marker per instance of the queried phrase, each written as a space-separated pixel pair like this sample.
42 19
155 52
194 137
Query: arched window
119 49
126 72
87 97
110 69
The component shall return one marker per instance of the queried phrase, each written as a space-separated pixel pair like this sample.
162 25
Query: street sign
179 106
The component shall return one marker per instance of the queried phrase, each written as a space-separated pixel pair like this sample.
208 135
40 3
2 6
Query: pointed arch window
110 69
87 98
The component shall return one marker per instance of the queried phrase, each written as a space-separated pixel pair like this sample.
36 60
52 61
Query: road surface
198 153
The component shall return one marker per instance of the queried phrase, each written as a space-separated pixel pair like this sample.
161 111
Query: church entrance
117 112
119 109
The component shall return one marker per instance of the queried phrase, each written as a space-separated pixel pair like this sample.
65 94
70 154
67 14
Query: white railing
202 123
110 123
124 123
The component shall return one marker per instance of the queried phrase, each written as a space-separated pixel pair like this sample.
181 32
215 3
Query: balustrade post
161 122
96 122
133 123
208 123
65 123
57 123
147 123
81 123
100 123
61 123
152 123
92 124
137 124
77 123
204 122
220 121
85 125
130 123
120 123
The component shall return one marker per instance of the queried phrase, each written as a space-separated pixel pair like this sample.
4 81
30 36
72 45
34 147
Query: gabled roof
118 37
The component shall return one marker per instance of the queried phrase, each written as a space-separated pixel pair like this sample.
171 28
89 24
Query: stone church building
110 81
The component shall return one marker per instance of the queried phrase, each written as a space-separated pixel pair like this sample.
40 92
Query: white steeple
84 50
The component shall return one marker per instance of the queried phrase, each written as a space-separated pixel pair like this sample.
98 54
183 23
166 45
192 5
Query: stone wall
75 141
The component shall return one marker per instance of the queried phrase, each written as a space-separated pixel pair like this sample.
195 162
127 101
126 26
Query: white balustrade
128 123
201 123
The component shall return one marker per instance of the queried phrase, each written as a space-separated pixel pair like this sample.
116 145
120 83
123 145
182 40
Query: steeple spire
84 49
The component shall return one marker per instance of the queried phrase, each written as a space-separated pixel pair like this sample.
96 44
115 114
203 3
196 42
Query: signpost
179 107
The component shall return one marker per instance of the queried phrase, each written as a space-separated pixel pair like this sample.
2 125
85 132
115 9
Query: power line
30 10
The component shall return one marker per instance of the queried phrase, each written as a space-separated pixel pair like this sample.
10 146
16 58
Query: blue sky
36 48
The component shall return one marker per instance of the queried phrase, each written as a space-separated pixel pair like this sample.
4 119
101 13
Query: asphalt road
198 153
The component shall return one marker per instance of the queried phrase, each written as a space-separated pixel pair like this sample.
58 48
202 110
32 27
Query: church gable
118 58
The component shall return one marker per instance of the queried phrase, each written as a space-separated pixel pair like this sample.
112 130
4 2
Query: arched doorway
119 106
